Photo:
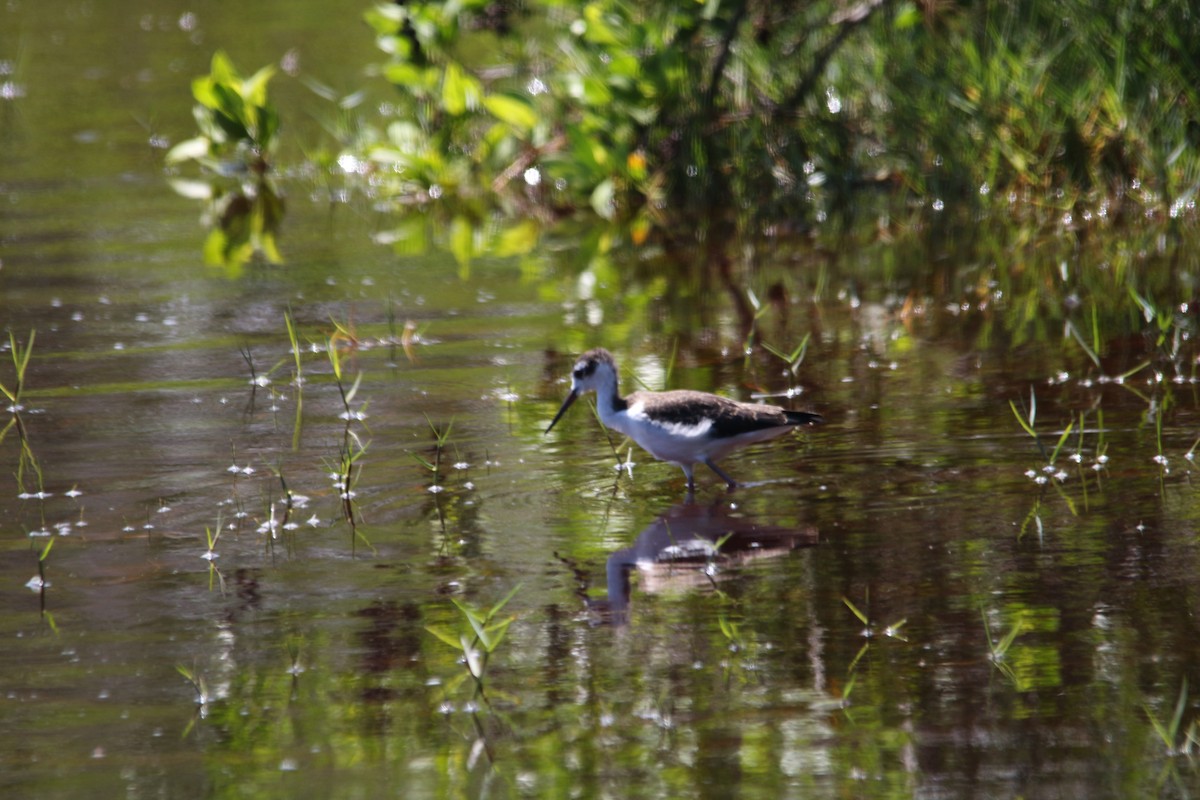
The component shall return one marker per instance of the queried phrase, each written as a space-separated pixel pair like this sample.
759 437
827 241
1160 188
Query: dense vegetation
788 113
711 121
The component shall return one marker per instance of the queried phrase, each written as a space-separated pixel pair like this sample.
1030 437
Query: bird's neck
609 401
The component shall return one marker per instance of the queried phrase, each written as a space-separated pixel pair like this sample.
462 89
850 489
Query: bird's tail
803 418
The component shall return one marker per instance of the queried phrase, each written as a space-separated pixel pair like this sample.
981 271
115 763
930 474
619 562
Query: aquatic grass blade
1169 733
854 610
793 359
481 633
848 688
470 613
893 631
496 633
475 661
862 651
298 378
1027 426
429 465
1129 373
1180 707
1078 337
20 359
1061 441
354 388
987 631
504 600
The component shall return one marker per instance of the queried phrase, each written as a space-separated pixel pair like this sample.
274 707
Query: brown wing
730 417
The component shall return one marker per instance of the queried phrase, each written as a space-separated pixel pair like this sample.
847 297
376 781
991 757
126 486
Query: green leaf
462 238
481 633
222 69
384 18
408 238
189 150
230 113
517 240
497 633
909 16
230 102
460 91
215 247
467 611
269 246
446 636
254 88
598 30
266 126
511 109
602 199
404 75
202 90
595 92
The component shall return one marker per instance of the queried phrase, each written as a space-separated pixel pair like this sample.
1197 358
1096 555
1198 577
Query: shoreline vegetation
685 122
766 118
1034 166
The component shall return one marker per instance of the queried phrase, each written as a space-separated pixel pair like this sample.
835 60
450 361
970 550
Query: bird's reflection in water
688 547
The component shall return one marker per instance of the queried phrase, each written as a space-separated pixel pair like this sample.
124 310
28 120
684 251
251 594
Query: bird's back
727 418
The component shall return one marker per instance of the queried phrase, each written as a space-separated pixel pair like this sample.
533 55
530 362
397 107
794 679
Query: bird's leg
713 466
691 481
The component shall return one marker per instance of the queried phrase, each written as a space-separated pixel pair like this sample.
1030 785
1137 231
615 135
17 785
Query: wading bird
681 427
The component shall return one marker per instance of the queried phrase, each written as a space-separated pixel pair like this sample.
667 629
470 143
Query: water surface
1024 625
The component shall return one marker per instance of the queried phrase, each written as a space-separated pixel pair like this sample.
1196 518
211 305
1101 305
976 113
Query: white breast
666 441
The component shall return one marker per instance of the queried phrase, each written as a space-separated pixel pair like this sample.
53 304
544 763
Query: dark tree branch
847 21
718 71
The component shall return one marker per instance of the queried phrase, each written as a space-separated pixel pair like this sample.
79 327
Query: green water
741 673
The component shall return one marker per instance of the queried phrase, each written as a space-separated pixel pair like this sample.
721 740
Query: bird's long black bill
566 404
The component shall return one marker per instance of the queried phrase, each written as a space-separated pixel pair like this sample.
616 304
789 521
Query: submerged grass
297 378
352 448
441 437
27 461
199 685
20 358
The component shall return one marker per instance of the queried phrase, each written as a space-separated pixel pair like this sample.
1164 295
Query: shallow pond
918 598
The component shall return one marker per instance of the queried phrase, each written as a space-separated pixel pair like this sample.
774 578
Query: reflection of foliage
238 127
235 119
657 111
1169 732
